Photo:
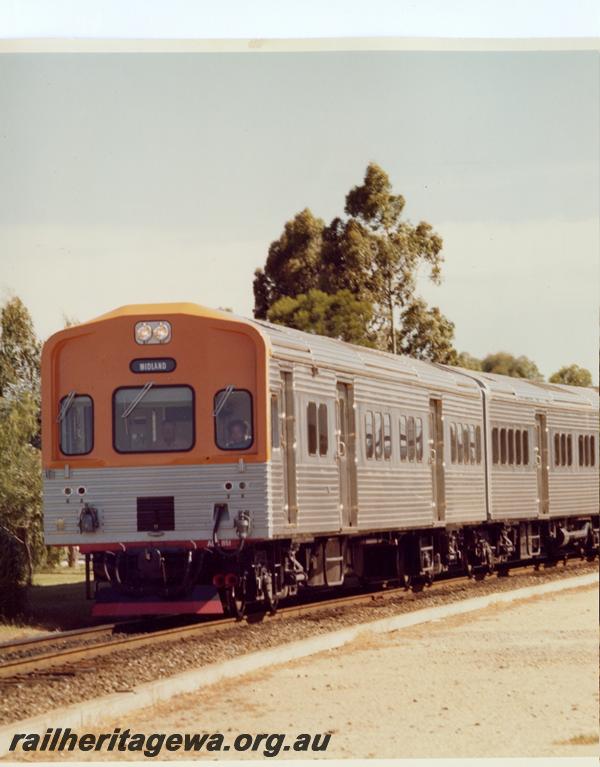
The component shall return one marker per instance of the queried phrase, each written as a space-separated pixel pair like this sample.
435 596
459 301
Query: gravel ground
123 670
508 681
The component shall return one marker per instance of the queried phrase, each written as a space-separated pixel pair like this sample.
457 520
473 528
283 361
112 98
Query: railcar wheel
236 602
415 583
272 601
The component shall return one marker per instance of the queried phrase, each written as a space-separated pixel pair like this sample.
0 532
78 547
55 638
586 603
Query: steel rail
50 638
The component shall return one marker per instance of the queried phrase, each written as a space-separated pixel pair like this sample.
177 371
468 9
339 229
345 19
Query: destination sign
161 365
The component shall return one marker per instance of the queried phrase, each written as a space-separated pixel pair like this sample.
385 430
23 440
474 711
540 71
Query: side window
569 449
465 443
419 437
592 451
233 419
557 449
323 430
311 422
511 446
472 443
76 417
478 443
563 450
411 439
378 436
387 436
586 450
274 421
459 443
403 439
580 450
525 447
369 434
495 445
453 442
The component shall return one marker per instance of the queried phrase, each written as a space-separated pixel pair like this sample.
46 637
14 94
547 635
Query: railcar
203 462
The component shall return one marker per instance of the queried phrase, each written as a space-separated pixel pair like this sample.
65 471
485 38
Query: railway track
61 659
52 638
70 660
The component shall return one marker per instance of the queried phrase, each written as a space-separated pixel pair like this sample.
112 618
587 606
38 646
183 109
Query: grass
58 577
56 601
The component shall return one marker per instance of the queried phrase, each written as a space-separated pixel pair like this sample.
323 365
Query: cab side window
76 417
233 419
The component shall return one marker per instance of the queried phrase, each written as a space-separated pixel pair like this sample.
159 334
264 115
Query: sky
298 18
129 178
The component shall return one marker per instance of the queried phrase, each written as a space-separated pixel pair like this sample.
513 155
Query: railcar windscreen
162 421
77 426
233 419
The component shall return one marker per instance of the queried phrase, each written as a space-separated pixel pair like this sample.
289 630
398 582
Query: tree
20 480
21 537
19 349
572 375
340 315
13 569
293 263
508 365
379 250
426 334
465 360
371 252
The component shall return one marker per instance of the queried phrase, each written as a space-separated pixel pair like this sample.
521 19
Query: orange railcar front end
155 451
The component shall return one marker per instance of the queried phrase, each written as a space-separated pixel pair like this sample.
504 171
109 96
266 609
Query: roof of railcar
325 352
320 350
536 391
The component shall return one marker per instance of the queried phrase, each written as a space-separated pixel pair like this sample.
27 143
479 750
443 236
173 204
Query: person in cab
238 435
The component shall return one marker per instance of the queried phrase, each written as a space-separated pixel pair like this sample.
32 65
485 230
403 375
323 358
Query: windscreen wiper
64 409
221 403
134 403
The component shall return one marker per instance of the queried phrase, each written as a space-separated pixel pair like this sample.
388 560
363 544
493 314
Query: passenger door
346 454
436 458
541 462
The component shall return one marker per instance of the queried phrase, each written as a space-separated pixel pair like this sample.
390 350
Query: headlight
153 332
143 332
161 332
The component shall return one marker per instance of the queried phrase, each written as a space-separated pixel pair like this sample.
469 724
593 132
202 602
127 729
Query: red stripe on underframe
118 609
